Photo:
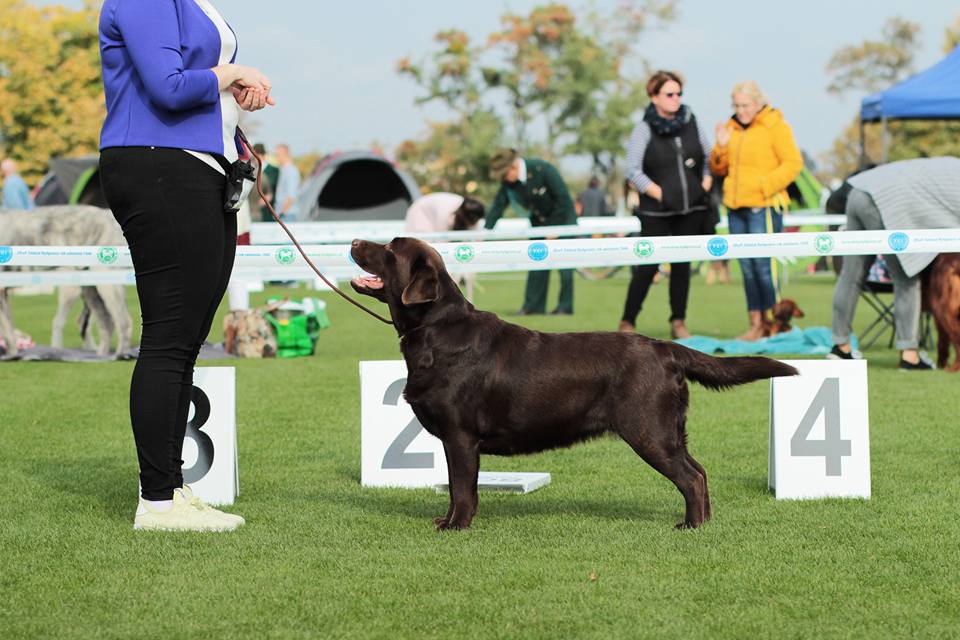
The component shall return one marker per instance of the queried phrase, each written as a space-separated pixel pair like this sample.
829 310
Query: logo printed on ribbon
717 246
643 248
6 254
898 241
823 243
464 253
285 255
538 251
107 255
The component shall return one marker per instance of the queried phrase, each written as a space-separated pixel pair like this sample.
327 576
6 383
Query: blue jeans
758 282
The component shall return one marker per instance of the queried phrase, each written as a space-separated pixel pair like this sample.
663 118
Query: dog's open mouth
368 282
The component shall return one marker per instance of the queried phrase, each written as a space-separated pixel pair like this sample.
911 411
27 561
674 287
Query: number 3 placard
819 431
395 451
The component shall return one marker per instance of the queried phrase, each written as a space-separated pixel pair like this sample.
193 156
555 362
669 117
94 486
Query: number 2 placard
819 431
395 451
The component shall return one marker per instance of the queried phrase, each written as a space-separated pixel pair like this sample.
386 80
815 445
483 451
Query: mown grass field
322 557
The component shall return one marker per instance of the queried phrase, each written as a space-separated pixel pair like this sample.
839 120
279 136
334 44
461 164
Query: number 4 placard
819 431
395 451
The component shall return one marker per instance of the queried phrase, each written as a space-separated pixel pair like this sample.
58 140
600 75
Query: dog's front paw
443 524
688 524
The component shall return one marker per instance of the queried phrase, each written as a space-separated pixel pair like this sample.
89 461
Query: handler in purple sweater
173 95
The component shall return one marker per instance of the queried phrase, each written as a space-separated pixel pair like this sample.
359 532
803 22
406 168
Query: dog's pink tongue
370 282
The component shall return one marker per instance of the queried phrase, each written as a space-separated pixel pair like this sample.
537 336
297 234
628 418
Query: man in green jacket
535 186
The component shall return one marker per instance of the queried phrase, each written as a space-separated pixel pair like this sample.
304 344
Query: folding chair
876 287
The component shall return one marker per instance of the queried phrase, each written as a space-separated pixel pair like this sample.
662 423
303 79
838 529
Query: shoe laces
195 501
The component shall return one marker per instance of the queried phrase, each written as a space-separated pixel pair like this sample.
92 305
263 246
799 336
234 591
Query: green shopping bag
297 325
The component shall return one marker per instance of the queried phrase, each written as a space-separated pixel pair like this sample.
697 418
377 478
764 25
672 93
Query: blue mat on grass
810 341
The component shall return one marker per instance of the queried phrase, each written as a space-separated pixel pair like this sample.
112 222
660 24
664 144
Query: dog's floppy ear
424 285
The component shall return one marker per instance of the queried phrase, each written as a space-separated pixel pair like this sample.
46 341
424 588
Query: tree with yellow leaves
51 93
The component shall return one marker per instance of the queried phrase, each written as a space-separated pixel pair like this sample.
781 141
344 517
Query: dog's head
785 310
407 274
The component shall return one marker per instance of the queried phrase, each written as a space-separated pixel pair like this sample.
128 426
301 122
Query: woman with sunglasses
667 164
757 154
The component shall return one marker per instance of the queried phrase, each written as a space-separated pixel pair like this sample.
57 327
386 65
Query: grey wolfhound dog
70 225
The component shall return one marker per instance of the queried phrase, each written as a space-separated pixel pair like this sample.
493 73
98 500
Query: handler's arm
499 205
150 30
151 34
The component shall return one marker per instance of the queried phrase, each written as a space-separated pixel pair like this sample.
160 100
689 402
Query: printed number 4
832 448
396 456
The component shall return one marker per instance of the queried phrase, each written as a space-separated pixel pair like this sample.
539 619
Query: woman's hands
250 87
723 134
251 99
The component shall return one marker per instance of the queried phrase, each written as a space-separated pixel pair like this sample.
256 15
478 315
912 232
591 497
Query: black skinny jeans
170 206
689 224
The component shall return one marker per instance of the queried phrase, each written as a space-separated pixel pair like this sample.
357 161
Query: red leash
294 240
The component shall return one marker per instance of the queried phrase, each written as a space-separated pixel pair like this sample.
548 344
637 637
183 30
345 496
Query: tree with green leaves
874 65
51 93
551 68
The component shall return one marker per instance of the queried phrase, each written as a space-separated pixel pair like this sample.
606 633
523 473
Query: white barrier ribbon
523 255
506 229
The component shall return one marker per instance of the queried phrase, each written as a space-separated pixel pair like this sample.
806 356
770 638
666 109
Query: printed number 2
832 448
201 413
396 456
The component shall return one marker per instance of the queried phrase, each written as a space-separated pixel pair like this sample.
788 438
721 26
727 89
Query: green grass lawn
322 557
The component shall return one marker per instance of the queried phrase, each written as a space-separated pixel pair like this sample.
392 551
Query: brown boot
626 327
755 332
678 329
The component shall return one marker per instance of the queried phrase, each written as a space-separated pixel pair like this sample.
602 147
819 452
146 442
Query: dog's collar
403 336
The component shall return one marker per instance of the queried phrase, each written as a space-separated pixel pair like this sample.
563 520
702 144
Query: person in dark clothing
537 187
174 94
592 201
667 163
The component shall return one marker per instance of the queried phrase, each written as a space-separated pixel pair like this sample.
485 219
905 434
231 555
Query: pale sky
333 63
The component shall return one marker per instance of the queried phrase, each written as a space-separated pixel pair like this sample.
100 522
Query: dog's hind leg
943 345
99 310
663 447
66 297
6 324
707 508
115 298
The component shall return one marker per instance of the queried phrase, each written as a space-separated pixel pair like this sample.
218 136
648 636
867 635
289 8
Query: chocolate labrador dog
482 385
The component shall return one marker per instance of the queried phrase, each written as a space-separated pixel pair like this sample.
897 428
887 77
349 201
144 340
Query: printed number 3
832 448
201 413
396 456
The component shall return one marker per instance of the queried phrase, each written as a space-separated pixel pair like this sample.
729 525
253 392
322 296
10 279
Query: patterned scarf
666 126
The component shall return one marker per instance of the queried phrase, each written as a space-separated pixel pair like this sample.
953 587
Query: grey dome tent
72 181
356 185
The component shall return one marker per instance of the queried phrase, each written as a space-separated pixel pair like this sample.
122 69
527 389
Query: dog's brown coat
482 385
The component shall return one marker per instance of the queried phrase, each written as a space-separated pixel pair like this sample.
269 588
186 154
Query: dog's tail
721 373
83 320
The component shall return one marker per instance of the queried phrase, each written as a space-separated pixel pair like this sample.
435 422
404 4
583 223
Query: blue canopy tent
933 94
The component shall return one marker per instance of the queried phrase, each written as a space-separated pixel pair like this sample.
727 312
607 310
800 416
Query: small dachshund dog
783 312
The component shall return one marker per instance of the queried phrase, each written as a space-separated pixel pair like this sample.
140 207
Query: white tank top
229 109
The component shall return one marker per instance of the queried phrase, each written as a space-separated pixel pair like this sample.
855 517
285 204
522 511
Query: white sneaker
231 518
184 515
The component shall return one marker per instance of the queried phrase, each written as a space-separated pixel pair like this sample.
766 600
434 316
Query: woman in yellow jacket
756 154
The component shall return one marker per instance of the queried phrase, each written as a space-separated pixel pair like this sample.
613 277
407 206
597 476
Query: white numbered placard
210 463
395 450
819 431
